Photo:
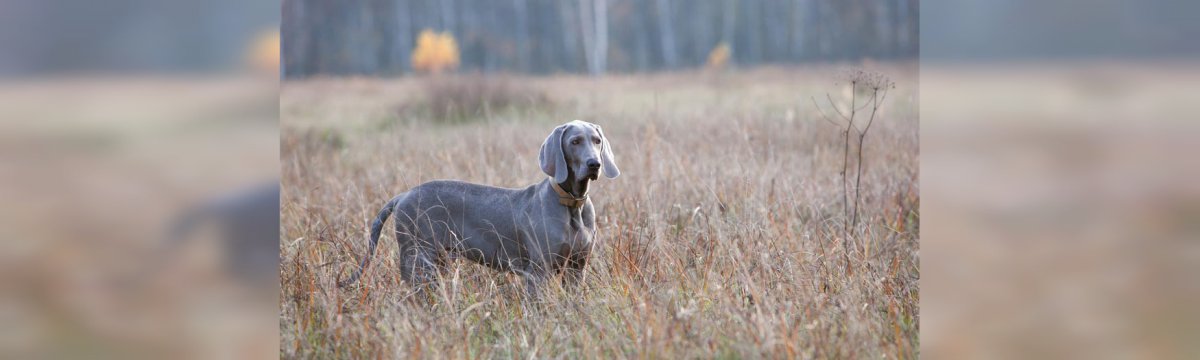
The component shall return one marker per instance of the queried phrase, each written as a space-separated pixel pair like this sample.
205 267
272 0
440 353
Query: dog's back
480 222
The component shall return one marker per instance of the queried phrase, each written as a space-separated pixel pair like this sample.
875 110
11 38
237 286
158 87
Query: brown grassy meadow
722 237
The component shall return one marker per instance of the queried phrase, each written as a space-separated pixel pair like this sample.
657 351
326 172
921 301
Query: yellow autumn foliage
435 52
263 53
718 57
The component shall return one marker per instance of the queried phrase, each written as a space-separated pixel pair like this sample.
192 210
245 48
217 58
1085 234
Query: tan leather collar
566 198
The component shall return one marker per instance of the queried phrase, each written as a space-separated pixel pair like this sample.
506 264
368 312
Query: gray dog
537 232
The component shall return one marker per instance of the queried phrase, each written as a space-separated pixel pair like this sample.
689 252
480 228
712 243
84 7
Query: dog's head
577 150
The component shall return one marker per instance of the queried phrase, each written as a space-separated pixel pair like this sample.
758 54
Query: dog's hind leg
419 269
537 272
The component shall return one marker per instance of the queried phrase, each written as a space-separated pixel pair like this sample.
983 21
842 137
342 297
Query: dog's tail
376 228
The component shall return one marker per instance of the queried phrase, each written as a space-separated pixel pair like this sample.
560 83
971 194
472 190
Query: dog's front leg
573 271
535 283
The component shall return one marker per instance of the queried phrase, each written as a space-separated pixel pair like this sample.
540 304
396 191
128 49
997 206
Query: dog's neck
577 187
571 193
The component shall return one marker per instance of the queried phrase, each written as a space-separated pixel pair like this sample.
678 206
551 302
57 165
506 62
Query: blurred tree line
378 37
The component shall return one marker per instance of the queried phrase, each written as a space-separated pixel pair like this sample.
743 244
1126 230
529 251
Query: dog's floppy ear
551 157
606 156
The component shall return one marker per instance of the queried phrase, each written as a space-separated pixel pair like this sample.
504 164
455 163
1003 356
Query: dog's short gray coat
535 231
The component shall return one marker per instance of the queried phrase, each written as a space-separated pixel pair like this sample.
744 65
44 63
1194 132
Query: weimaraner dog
537 232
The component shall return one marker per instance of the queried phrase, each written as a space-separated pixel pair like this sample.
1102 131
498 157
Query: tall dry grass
722 237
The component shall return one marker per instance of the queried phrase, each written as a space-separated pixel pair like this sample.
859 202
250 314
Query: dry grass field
721 239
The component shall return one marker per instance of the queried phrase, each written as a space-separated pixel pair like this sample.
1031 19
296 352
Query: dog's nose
593 164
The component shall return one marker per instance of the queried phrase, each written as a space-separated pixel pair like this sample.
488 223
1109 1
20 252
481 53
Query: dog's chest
579 233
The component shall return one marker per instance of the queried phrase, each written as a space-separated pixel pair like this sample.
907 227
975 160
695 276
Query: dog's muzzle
593 170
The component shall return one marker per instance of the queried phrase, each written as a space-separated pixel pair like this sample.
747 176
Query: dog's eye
596 141
575 141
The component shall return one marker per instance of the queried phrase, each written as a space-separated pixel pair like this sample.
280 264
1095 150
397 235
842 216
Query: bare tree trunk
404 36
727 22
666 33
701 26
912 35
295 49
489 19
570 37
601 36
521 34
825 33
754 32
448 16
641 44
585 29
